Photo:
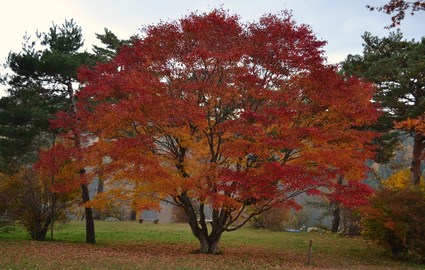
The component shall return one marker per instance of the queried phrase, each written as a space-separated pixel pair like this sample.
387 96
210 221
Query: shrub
395 219
28 200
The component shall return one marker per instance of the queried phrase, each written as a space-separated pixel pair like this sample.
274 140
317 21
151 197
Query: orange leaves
232 114
114 198
417 124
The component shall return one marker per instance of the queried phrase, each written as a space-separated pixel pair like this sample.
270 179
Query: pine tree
397 67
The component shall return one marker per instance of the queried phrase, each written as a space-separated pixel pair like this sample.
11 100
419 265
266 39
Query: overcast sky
341 23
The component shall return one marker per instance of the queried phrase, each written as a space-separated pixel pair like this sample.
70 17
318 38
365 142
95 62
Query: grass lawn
130 245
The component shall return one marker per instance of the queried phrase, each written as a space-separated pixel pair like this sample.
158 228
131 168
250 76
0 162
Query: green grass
130 245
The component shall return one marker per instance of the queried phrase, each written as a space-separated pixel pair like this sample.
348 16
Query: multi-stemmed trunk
39 229
208 239
208 245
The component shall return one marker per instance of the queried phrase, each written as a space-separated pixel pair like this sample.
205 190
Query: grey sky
341 23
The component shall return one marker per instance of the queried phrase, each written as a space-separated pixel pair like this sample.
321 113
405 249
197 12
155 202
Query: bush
395 219
28 200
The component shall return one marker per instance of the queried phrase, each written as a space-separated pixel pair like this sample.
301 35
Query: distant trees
397 68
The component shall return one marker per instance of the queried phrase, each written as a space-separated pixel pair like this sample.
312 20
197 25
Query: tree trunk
336 212
88 212
207 245
52 212
418 147
39 234
53 197
204 245
133 215
39 231
214 246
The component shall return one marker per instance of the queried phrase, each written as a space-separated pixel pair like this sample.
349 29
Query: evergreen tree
43 82
397 67
111 45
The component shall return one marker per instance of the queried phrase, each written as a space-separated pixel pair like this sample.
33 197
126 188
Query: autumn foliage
395 220
208 112
416 124
397 9
394 217
401 180
27 198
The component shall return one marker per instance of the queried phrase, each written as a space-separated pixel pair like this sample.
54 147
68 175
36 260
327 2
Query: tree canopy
207 112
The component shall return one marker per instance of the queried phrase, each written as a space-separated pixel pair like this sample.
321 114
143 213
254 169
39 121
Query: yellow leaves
400 180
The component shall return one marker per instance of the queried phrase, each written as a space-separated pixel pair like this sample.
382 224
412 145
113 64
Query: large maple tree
210 113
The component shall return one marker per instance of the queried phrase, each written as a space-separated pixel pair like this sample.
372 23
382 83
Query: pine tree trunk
418 147
88 212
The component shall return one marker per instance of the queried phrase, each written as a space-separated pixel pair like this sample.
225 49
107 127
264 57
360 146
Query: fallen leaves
156 255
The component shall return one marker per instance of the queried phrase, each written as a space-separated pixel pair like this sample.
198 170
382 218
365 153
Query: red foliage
230 114
395 220
399 8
